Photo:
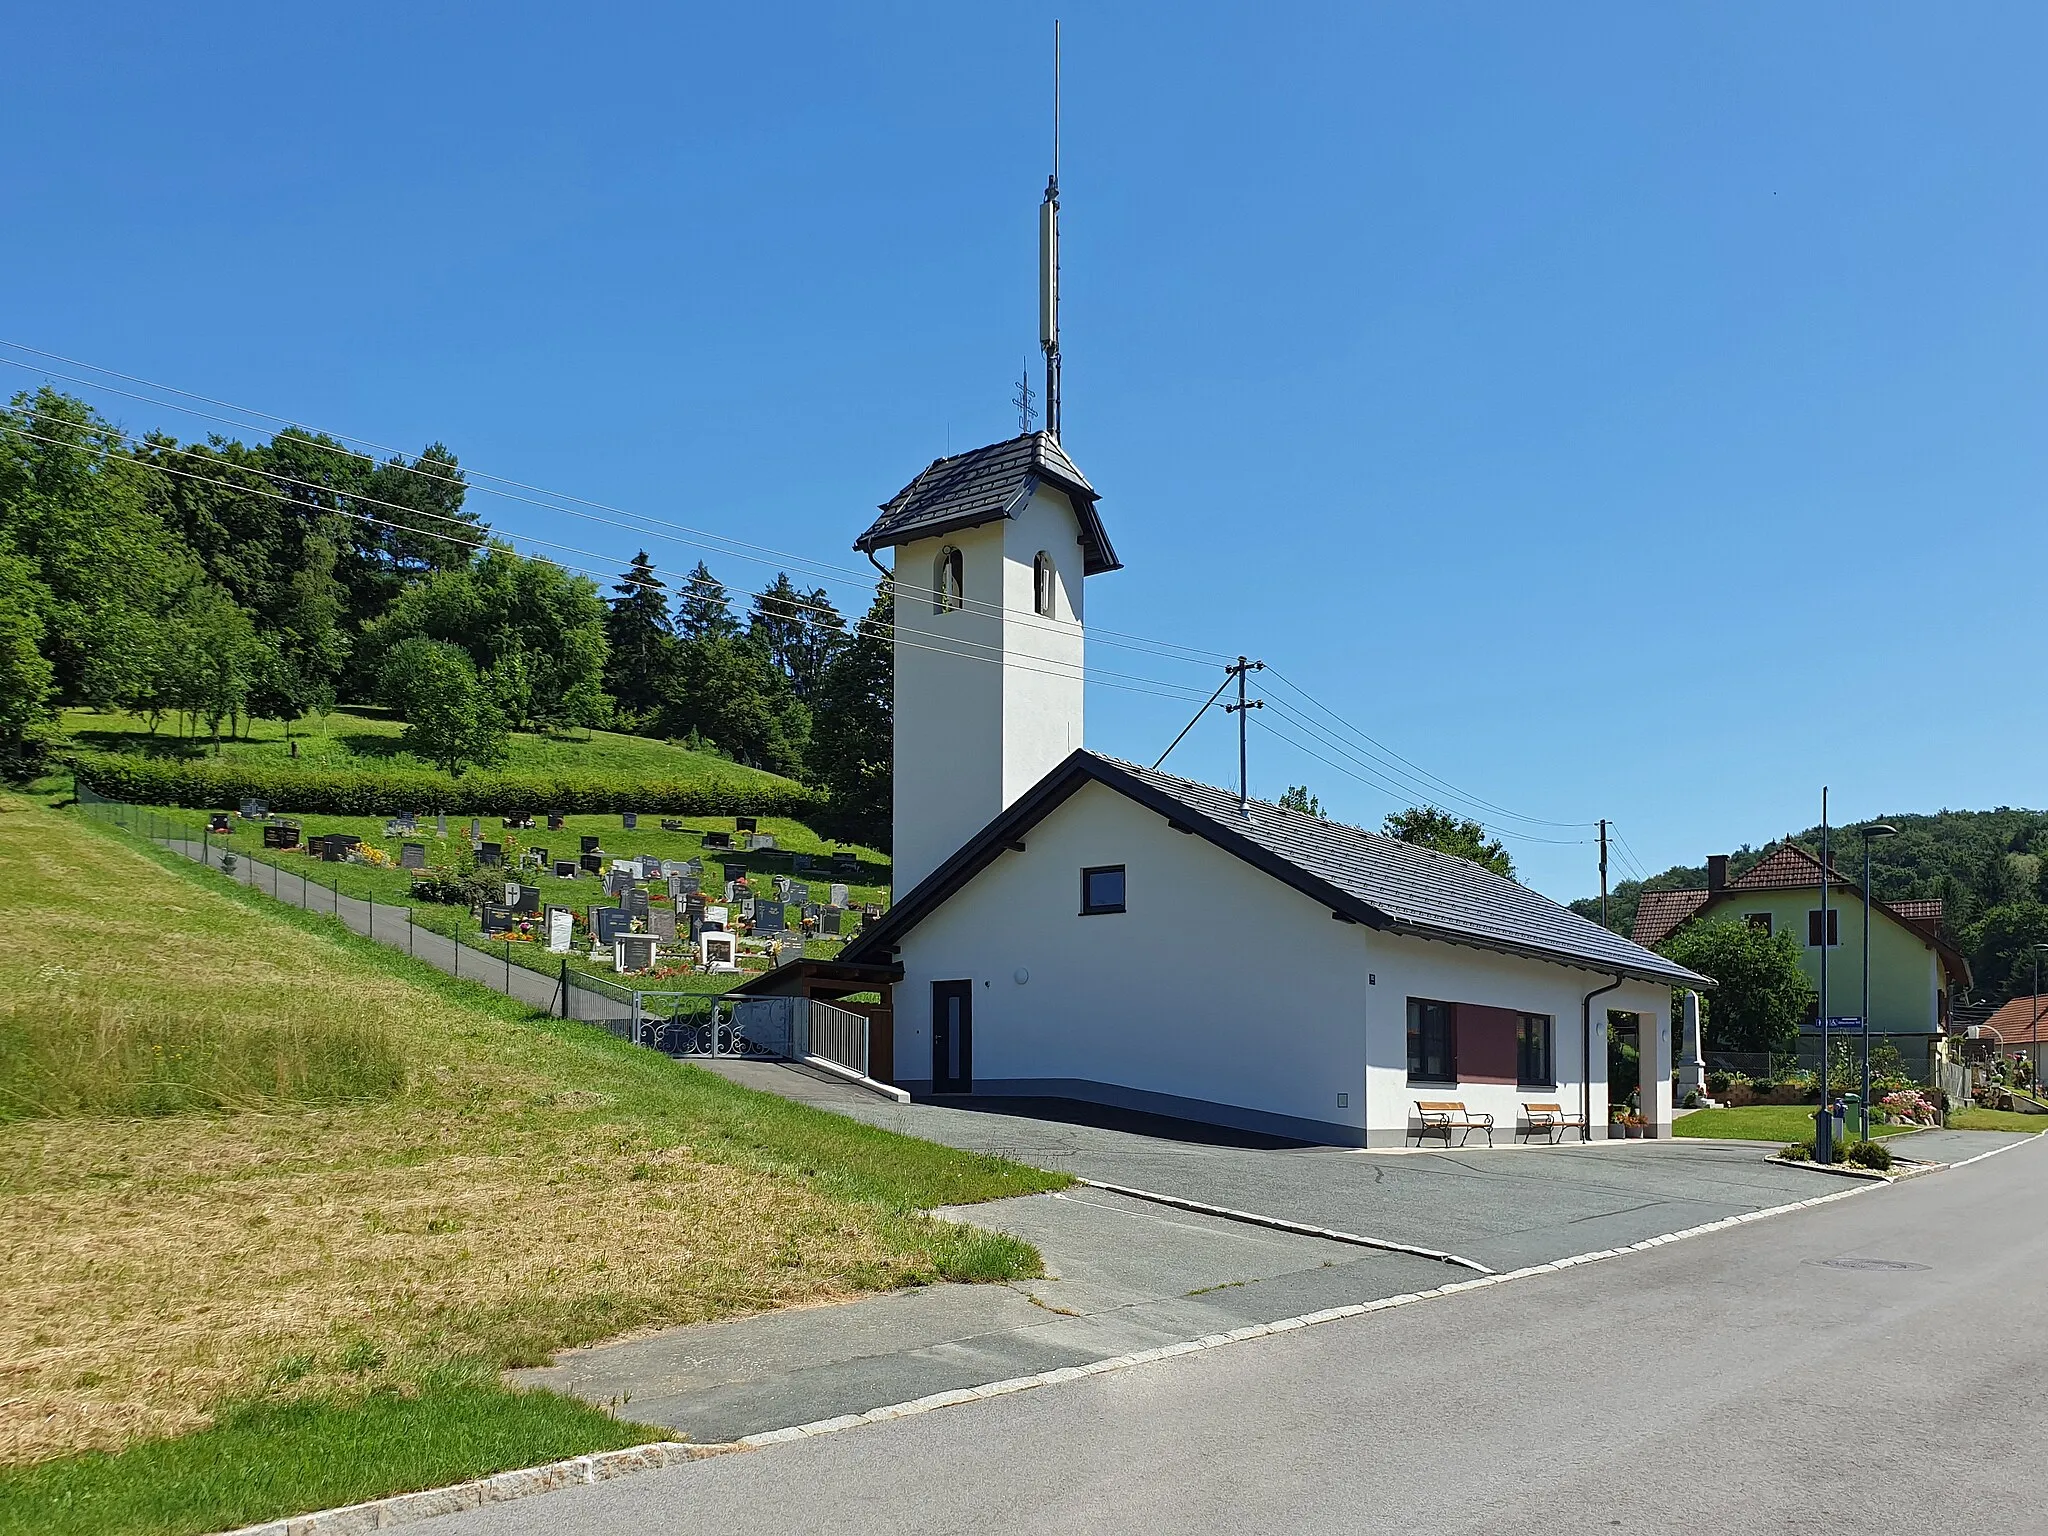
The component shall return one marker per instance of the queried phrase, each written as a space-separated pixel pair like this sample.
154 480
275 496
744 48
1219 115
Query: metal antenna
1025 401
1049 260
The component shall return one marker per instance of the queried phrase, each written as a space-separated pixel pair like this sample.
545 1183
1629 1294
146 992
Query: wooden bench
1440 1117
1548 1119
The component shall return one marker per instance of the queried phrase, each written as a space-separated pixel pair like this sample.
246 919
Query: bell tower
992 549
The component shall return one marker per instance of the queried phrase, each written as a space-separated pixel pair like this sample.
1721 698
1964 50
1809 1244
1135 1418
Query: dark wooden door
952 1037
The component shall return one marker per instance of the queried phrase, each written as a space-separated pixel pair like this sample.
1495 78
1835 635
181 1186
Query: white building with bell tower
992 550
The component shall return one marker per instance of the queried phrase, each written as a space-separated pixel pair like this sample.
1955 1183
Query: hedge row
224 783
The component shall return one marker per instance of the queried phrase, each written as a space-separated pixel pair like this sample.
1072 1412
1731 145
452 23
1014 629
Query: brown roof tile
1659 913
2015 1022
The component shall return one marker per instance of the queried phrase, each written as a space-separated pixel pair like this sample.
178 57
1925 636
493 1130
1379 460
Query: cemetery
514 890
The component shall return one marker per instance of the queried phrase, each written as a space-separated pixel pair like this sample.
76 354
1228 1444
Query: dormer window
1042 584
949 573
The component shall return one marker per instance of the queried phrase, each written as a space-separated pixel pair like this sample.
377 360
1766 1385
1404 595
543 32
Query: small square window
1102 889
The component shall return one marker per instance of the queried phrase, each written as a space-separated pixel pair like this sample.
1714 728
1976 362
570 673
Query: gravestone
800 862
670 868
347 840
527 902
800 892
554 821
497 919
830 922
693 867
670 824
782 887
746 824
440 824
538 854
717 917
518 823
637 904
694 902
717 839
768 917
512 894
630 820
732 888
760 840
329 849
846 865
685 885
412 856
718 951
661 922
734 872
561 930
592 863
607 923
476 829
565 869
588 844
634 952
278 835
838 895
746 906
491 856
254 810
220 821
811 911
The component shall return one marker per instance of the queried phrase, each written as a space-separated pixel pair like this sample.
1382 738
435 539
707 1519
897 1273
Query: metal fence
679 1024
1912 1057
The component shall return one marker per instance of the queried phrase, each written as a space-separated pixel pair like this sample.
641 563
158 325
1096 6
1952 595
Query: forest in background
204 585
1988 868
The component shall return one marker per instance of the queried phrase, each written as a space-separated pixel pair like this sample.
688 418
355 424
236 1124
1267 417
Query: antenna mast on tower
1049 260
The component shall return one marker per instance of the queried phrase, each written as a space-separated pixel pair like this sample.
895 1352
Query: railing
838 1035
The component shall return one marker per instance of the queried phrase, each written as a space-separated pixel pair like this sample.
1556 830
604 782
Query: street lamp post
1874 830
2037 1018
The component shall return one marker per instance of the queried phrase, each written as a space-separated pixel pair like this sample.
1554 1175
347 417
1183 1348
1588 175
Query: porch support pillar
1653 1041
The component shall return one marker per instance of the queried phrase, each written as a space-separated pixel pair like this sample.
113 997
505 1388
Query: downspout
1586 1057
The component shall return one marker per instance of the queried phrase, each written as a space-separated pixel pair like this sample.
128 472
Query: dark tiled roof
1659 914
984 484
1368 877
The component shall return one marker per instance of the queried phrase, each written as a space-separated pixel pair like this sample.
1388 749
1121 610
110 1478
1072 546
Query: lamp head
1879 829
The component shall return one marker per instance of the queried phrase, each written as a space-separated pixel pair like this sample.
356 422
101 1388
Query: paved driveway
1504 1207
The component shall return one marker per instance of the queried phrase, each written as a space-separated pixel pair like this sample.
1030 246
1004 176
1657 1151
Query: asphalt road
1767 1378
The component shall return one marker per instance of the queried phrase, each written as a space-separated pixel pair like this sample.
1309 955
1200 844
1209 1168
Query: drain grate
1868 1264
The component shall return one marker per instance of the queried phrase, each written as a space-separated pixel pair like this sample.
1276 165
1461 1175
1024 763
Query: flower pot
1633 1132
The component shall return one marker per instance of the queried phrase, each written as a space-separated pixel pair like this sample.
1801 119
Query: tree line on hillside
1988 868
205 585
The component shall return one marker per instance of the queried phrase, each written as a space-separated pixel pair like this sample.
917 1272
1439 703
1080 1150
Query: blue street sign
1845 1024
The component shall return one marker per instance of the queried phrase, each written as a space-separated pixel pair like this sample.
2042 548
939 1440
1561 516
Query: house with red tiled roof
1915 969
2018 1024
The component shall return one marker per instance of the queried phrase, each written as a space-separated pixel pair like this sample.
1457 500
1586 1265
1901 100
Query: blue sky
1614 410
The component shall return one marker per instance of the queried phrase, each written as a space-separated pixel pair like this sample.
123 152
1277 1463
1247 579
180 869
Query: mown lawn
362 736
1761 1122
250 1162
1975 1119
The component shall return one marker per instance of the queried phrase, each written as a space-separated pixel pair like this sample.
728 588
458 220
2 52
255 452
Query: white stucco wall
1224 993
986 703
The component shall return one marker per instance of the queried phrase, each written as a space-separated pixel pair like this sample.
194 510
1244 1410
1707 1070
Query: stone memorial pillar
1692 1065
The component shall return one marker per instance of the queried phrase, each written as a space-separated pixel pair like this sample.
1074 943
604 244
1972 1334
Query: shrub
1802 1152
1692 1101
1871 1154
211 783
1718 1083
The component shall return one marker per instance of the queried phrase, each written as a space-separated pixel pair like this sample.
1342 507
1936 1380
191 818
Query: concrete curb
406 1508
1278 1224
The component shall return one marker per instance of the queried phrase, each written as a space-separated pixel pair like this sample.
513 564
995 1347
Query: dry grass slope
468 1185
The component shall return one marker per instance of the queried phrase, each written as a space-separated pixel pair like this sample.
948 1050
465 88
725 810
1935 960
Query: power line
1384 752
1161 689
644 525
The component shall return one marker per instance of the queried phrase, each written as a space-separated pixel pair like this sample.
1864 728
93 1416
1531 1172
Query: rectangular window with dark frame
1102 890
1834 917
1432 1042
1534 1067
1760 921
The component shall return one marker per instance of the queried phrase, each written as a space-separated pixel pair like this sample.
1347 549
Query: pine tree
801 632
703 609
852 740
642 640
